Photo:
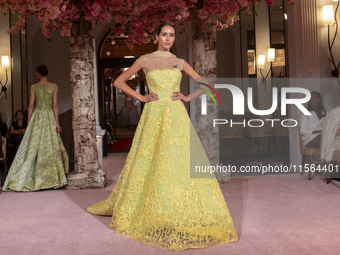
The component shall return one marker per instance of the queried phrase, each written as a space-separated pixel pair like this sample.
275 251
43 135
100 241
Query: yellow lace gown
154 200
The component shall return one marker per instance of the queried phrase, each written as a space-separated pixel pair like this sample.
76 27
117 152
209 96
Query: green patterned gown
41 161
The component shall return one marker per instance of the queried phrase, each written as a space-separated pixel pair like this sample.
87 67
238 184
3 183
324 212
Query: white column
310 40
303 43
99 131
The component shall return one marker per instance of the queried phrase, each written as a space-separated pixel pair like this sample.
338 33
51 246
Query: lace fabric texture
41 160
154 200
44 95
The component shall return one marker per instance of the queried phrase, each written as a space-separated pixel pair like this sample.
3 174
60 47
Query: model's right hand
150 97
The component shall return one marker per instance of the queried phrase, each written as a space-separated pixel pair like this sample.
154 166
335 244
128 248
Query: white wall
331 90
298 68
5 104
325 65
308 58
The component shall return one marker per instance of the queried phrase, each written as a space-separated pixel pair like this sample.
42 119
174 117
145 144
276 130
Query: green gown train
155 200
41 161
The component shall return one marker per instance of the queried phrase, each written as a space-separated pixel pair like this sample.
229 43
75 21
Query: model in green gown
41 161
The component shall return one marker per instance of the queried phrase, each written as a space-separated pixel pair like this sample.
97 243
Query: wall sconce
327 14
329 19
5 65
261 61
271 55
260 64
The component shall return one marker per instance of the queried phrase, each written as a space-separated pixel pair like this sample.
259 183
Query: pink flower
66 30
117 30
202 14
137 16
96 8
146 40
270 2
219 25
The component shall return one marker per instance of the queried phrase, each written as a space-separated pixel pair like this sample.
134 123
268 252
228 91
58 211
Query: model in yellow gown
155 200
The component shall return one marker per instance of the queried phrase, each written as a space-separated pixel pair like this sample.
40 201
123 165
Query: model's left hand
176 95
58 129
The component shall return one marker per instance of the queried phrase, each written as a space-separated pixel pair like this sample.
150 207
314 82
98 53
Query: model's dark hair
16 113
42 70
321 107
164 25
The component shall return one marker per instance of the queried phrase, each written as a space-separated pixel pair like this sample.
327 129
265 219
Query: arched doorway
113 57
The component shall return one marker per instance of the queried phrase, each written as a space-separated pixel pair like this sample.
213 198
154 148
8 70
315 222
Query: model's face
20 116
38 75
166 38
314 100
